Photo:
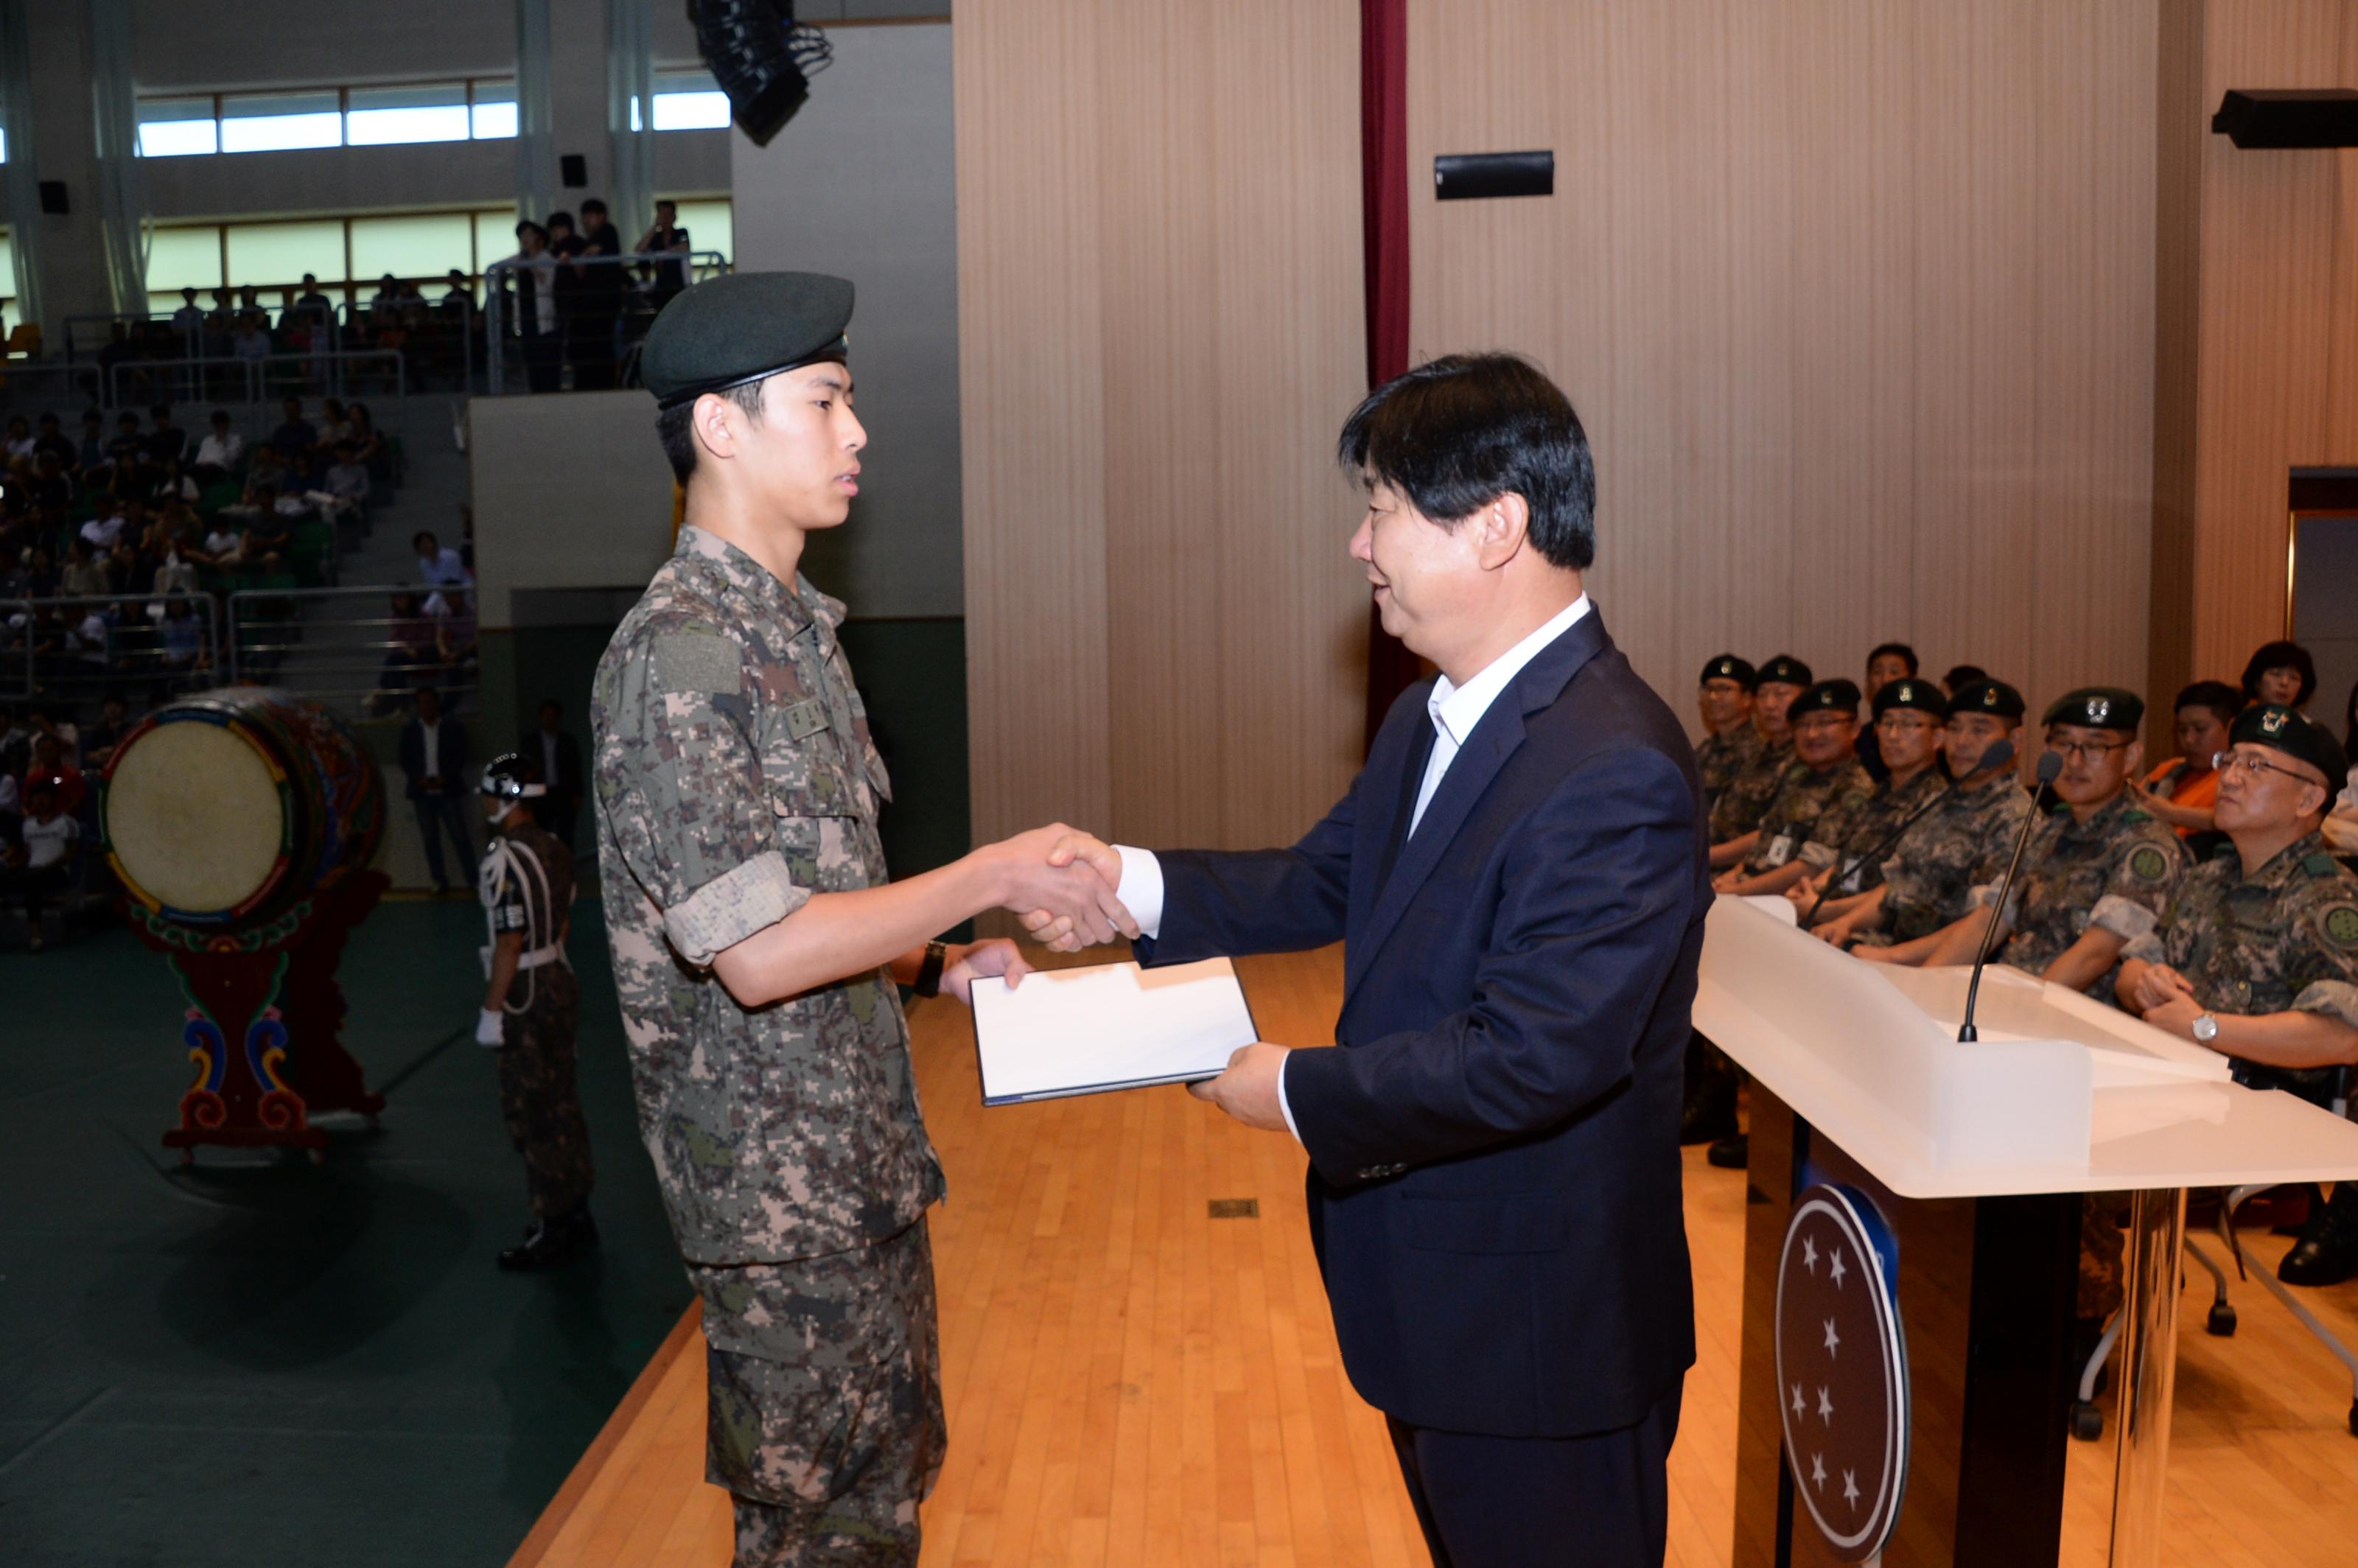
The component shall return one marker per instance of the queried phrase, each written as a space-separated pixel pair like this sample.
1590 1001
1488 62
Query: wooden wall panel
1856 300
1160 334
2258 340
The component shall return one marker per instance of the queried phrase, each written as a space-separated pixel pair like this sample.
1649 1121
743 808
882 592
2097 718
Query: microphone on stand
2049 766
1997 756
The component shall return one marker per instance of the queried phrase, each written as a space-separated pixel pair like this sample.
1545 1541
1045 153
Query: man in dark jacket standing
1519 877
434 761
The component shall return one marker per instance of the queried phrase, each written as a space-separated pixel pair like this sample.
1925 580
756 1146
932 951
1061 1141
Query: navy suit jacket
452 757
1494 1150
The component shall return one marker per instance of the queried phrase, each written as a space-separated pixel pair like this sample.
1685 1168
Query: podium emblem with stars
1842 1371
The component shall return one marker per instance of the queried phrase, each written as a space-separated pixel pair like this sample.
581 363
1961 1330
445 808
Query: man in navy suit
1520 879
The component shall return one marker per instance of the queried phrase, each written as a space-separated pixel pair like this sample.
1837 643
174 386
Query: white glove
490 1023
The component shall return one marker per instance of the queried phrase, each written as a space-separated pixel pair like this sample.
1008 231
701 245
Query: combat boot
550 1242
2327 1252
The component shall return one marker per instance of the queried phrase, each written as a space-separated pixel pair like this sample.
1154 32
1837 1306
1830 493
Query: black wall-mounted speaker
1469 177
53 197
2303 117
573 169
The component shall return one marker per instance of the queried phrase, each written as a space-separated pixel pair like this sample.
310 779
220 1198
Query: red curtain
1383 219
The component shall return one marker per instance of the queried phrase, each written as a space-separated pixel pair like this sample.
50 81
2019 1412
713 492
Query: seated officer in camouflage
2257 957
2097 874
756 940
1847 848
1961 844
1823 776
1730 738
1746 800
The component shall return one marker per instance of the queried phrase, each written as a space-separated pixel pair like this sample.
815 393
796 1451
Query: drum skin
228 808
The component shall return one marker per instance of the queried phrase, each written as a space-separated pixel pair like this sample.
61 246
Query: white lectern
1977 1155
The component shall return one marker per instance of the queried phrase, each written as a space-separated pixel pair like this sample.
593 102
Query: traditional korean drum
231 807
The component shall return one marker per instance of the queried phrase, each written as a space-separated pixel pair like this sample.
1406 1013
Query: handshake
1063 884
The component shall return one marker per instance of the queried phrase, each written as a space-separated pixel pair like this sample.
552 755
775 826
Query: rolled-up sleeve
680 779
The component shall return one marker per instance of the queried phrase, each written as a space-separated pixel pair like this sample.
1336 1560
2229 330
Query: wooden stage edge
1133 1382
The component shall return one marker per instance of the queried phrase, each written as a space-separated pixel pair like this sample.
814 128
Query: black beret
1988 696
1909 692
2295 734
2098 708
1728 667
1787 669
1836 695
741 327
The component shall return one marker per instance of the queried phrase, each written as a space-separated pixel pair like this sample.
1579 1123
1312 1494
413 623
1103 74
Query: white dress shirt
1455 710
433 734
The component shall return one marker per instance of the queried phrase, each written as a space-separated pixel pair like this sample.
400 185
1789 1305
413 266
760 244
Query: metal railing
237 378
51 647
361 665
596 332
30 388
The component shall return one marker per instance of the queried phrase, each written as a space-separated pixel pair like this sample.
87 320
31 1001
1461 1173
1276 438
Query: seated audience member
1846 850
2182 790
167 442
264 471
127 446
368 446
90 453
1730 738
174 573
335 425
270 526
20 437
251 341
221 452
1889 661
51 488
1823 776
186 640
84 575
2282 673
294 433
1748 795
51 439
1961 844
39 867
2256 954
438 566
49 763
346 479
1961 677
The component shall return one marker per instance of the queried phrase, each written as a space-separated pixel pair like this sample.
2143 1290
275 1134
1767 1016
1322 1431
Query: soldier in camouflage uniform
1846 849
1823 776
2095 877
1961 844
1754 785
2257 957
757 942
532 1013
1731 740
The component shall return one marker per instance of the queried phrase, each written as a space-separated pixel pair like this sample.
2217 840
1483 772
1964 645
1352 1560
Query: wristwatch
2205 1028
929 972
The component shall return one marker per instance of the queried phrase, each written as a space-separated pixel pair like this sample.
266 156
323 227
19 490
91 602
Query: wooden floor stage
1133 1383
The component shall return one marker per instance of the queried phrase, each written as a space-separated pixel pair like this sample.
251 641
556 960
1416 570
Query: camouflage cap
1992 696
1836 695
741 327
1728 667
2295 734
2098 708
1909 692
1786 670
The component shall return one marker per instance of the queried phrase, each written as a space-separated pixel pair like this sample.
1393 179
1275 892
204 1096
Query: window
425 244
276 120
494 110
7 283
177 127
709 227
688 100
278 254
380 116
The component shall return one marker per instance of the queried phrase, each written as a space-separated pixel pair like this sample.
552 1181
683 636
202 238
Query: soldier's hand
1075 891
2157 985
2176 1016
977 959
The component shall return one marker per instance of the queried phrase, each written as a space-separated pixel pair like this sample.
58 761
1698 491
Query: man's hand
1804 894
1076 848
1874 955
978 959
2158 985
1076 900
2177 1015
1247 1090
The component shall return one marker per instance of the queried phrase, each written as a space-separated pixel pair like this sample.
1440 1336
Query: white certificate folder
1113 1026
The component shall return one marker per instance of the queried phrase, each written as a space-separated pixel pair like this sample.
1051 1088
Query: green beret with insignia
742 326
2295 734
1728 667
1786 670
1992 696
1909 692
1836 695
2098 708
